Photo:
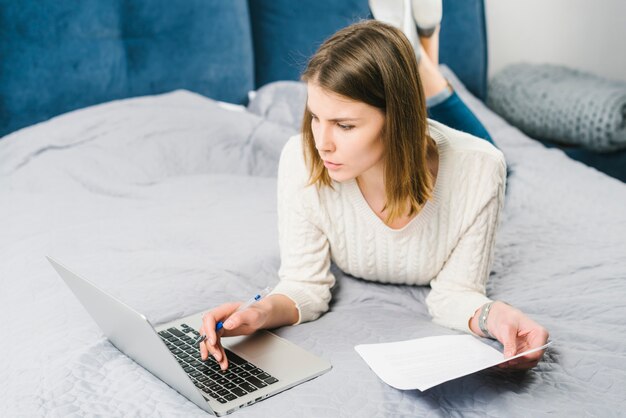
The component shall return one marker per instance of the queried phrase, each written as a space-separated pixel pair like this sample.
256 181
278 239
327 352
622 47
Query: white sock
427 15
398 13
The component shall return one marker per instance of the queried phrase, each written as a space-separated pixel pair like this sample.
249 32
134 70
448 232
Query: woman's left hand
517 333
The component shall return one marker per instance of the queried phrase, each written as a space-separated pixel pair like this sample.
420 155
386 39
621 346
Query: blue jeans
455 114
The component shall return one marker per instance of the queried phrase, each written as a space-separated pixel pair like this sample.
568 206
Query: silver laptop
260 365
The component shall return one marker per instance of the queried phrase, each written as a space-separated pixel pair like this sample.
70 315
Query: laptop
260 365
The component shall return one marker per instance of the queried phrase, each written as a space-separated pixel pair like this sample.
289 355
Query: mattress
169 203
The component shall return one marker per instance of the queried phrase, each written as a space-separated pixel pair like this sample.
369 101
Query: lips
331 166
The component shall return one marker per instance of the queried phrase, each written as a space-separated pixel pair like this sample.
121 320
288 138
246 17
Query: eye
345 127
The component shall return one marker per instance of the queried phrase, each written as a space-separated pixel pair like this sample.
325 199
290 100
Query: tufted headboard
57 56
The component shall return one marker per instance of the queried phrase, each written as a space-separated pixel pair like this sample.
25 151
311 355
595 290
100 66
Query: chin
339 176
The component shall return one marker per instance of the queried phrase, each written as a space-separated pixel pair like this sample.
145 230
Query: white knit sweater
449 244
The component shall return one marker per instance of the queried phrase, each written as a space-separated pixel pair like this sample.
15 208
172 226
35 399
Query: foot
397 13
427 15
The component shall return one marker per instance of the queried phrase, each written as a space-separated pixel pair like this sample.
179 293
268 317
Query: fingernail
211 341
228 323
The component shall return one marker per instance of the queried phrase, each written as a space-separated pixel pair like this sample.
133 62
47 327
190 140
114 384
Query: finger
209 321
208 329
245 317
509 341
224 360
525 362
211 318
204 353
532 356
206 345
214 349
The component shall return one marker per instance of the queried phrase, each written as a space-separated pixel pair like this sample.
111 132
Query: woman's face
347 133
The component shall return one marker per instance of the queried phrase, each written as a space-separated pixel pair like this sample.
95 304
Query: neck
372 182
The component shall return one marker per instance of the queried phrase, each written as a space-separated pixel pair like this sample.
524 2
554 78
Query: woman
386 194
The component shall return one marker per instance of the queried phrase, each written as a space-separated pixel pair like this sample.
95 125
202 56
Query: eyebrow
335 119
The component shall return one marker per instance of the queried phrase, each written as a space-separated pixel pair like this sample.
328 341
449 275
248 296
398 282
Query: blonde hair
374 63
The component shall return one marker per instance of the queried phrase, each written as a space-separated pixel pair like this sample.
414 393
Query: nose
324 141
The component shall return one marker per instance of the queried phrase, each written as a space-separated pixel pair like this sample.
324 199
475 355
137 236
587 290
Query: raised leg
443 104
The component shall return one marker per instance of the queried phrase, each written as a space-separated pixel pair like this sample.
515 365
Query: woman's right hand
244 322
272 312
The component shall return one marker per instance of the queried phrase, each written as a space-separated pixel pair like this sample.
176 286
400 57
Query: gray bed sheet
168 202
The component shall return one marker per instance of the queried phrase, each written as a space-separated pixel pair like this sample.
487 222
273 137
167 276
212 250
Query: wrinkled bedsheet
168 202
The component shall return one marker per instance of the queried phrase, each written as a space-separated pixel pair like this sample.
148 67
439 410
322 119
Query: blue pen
241 307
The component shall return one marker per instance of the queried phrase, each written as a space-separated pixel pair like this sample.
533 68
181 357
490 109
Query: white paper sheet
426 362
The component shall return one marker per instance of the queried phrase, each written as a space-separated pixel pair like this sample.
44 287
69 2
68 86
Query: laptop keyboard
241 377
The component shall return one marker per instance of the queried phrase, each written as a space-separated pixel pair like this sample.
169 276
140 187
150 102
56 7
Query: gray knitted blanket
562 105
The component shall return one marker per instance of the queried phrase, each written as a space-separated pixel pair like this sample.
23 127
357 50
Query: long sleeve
304 272
459 288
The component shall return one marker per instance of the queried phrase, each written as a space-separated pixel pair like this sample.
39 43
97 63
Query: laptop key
263 376
247 367
230 385
222 392
271 380
230 397
221 400
238 391
234 358
188 369
165 334
247 387
203 378
238 381
175 332
256 371
256 382
244 374
222 380
215 386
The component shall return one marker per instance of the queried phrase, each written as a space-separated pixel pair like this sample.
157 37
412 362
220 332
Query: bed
168 202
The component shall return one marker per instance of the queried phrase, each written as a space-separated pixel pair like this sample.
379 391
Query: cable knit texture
449 245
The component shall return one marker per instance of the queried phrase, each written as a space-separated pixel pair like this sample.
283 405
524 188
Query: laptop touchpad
257 346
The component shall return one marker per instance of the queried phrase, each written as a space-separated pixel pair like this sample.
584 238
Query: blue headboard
57 56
